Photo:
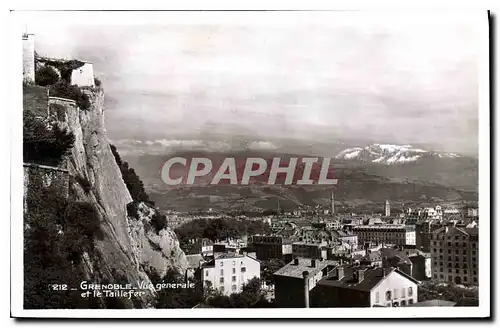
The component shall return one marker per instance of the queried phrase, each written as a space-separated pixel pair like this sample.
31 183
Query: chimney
313 263
361 275
340 272
305 274
296 261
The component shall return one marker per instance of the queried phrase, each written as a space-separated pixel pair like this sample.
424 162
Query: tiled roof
372 277
394 253
292 270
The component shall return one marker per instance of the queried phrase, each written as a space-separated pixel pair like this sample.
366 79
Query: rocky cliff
127 248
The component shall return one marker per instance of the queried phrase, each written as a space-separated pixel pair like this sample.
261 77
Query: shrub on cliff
57 233
84 183
132 181
83 219
159 221
44 144
46 75
64 90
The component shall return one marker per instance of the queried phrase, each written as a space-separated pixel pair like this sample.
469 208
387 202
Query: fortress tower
387 208
28 58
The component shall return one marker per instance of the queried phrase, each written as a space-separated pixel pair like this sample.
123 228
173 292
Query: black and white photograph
191 164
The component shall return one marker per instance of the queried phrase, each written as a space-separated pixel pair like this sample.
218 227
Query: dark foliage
66 67
178 297
268 267
251 296
83 219
63 89
131 179
44 144
46 75
448 292
97 82
220 229
84 183
158 221
58 232
132 210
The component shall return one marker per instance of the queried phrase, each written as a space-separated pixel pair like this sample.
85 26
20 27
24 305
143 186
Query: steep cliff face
126 248
154 250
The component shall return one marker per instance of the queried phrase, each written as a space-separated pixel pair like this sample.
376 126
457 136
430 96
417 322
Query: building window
435 275
234 278
474 279
221 272
410 291
221 263
377 297
449 270
221 280
234 288
450 278
449 251
206 273
388 295
243 269
395 293
234 270
465 278
395 304
449 244
403 293
221 288
410 301
403 303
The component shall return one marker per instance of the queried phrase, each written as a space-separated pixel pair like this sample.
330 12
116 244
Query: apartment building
310 250
394 234
229 272
455 255
270 247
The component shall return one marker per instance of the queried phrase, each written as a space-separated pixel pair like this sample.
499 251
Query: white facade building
396 289
83 76
229 272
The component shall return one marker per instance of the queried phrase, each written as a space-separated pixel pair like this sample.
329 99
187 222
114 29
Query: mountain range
367 177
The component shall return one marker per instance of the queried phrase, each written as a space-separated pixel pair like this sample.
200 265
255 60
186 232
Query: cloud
386 79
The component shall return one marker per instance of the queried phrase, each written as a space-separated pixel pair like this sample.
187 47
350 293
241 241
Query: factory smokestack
306 288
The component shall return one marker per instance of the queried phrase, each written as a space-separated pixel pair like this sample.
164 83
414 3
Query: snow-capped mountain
390 154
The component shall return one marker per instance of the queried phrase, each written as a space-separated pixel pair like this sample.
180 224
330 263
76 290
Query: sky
410 80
